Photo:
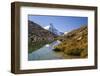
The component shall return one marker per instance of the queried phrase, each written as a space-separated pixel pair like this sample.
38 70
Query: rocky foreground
74 44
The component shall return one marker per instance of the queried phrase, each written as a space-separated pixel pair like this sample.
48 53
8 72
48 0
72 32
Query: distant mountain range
38 36
52 29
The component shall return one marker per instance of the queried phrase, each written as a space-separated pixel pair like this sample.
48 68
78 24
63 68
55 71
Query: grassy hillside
38 36
75 43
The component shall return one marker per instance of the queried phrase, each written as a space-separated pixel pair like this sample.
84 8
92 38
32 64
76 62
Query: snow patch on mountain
47 27
65 33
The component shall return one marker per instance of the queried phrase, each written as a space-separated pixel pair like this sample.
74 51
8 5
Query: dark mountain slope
38 36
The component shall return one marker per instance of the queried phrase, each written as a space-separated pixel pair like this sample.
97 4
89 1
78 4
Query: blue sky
61 23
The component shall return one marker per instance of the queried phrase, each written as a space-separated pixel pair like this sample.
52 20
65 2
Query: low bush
57 49
74 52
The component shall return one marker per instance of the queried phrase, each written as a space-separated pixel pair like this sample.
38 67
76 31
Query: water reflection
45 53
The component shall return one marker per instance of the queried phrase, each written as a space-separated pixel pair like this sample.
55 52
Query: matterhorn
52 29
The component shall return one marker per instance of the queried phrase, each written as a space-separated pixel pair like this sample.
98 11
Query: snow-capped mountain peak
52 29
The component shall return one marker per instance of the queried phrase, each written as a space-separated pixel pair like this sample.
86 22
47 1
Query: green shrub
57 49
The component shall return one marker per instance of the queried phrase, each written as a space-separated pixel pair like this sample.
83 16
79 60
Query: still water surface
45 53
